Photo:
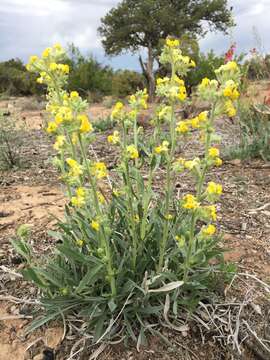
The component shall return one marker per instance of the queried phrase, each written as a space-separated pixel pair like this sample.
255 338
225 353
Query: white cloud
27 26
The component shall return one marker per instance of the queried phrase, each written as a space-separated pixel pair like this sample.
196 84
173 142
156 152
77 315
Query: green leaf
89 278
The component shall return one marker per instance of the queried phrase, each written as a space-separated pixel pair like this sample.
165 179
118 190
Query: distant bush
205 67
15 79
258 67
10 143
254 122
126 82
87 75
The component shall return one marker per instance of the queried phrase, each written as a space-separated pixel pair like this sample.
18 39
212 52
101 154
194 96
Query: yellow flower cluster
190 202
229 108
79 199
214 189
75 168
229 66
116 112
230 90
85 125
99 170
211 211
213 152
183 126
163 148
172 43
95 225
114 138
60 141
132 152
139 100
209 230
174 89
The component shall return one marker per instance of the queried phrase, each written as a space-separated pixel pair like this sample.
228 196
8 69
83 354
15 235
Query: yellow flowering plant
124 246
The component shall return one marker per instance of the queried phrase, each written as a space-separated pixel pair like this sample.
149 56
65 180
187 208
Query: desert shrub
10 143
254 122
16 80
88 76
128 256
205 67
258 66
126 82
104 124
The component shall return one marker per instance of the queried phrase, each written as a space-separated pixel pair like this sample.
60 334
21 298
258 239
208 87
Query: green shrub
254 122
126 82
104 124
16 80
10 143
258 67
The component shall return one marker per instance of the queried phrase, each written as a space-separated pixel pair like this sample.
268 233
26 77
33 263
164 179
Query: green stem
130 202
198 195
103 237
168 189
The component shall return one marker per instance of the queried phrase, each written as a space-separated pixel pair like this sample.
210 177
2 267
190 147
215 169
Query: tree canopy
136 24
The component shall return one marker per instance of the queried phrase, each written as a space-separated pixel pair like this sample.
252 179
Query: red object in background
230 53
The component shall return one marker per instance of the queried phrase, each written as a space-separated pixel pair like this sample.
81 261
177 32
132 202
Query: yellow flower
86 126
212 211
99 170
95 225
46 53
116 193
162 148
32 60
213 152
74 138
195 123
58 118
168 217
132 152
80 242
192 63
172 43
213 188
178 80
75 168
231 65
190 164
190 202
230 109
164 80
60 140
182 93
57 47
79 199
218 162
136 218
205 82
203 116
63 68
209 230
53 66
74 95
100 197
182 127
114 138
52 127
230 90
117 109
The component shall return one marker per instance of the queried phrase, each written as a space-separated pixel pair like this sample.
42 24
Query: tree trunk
148 72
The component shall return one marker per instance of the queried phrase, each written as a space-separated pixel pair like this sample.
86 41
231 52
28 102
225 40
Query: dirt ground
33 195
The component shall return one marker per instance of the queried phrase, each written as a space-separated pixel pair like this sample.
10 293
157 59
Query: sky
29 26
